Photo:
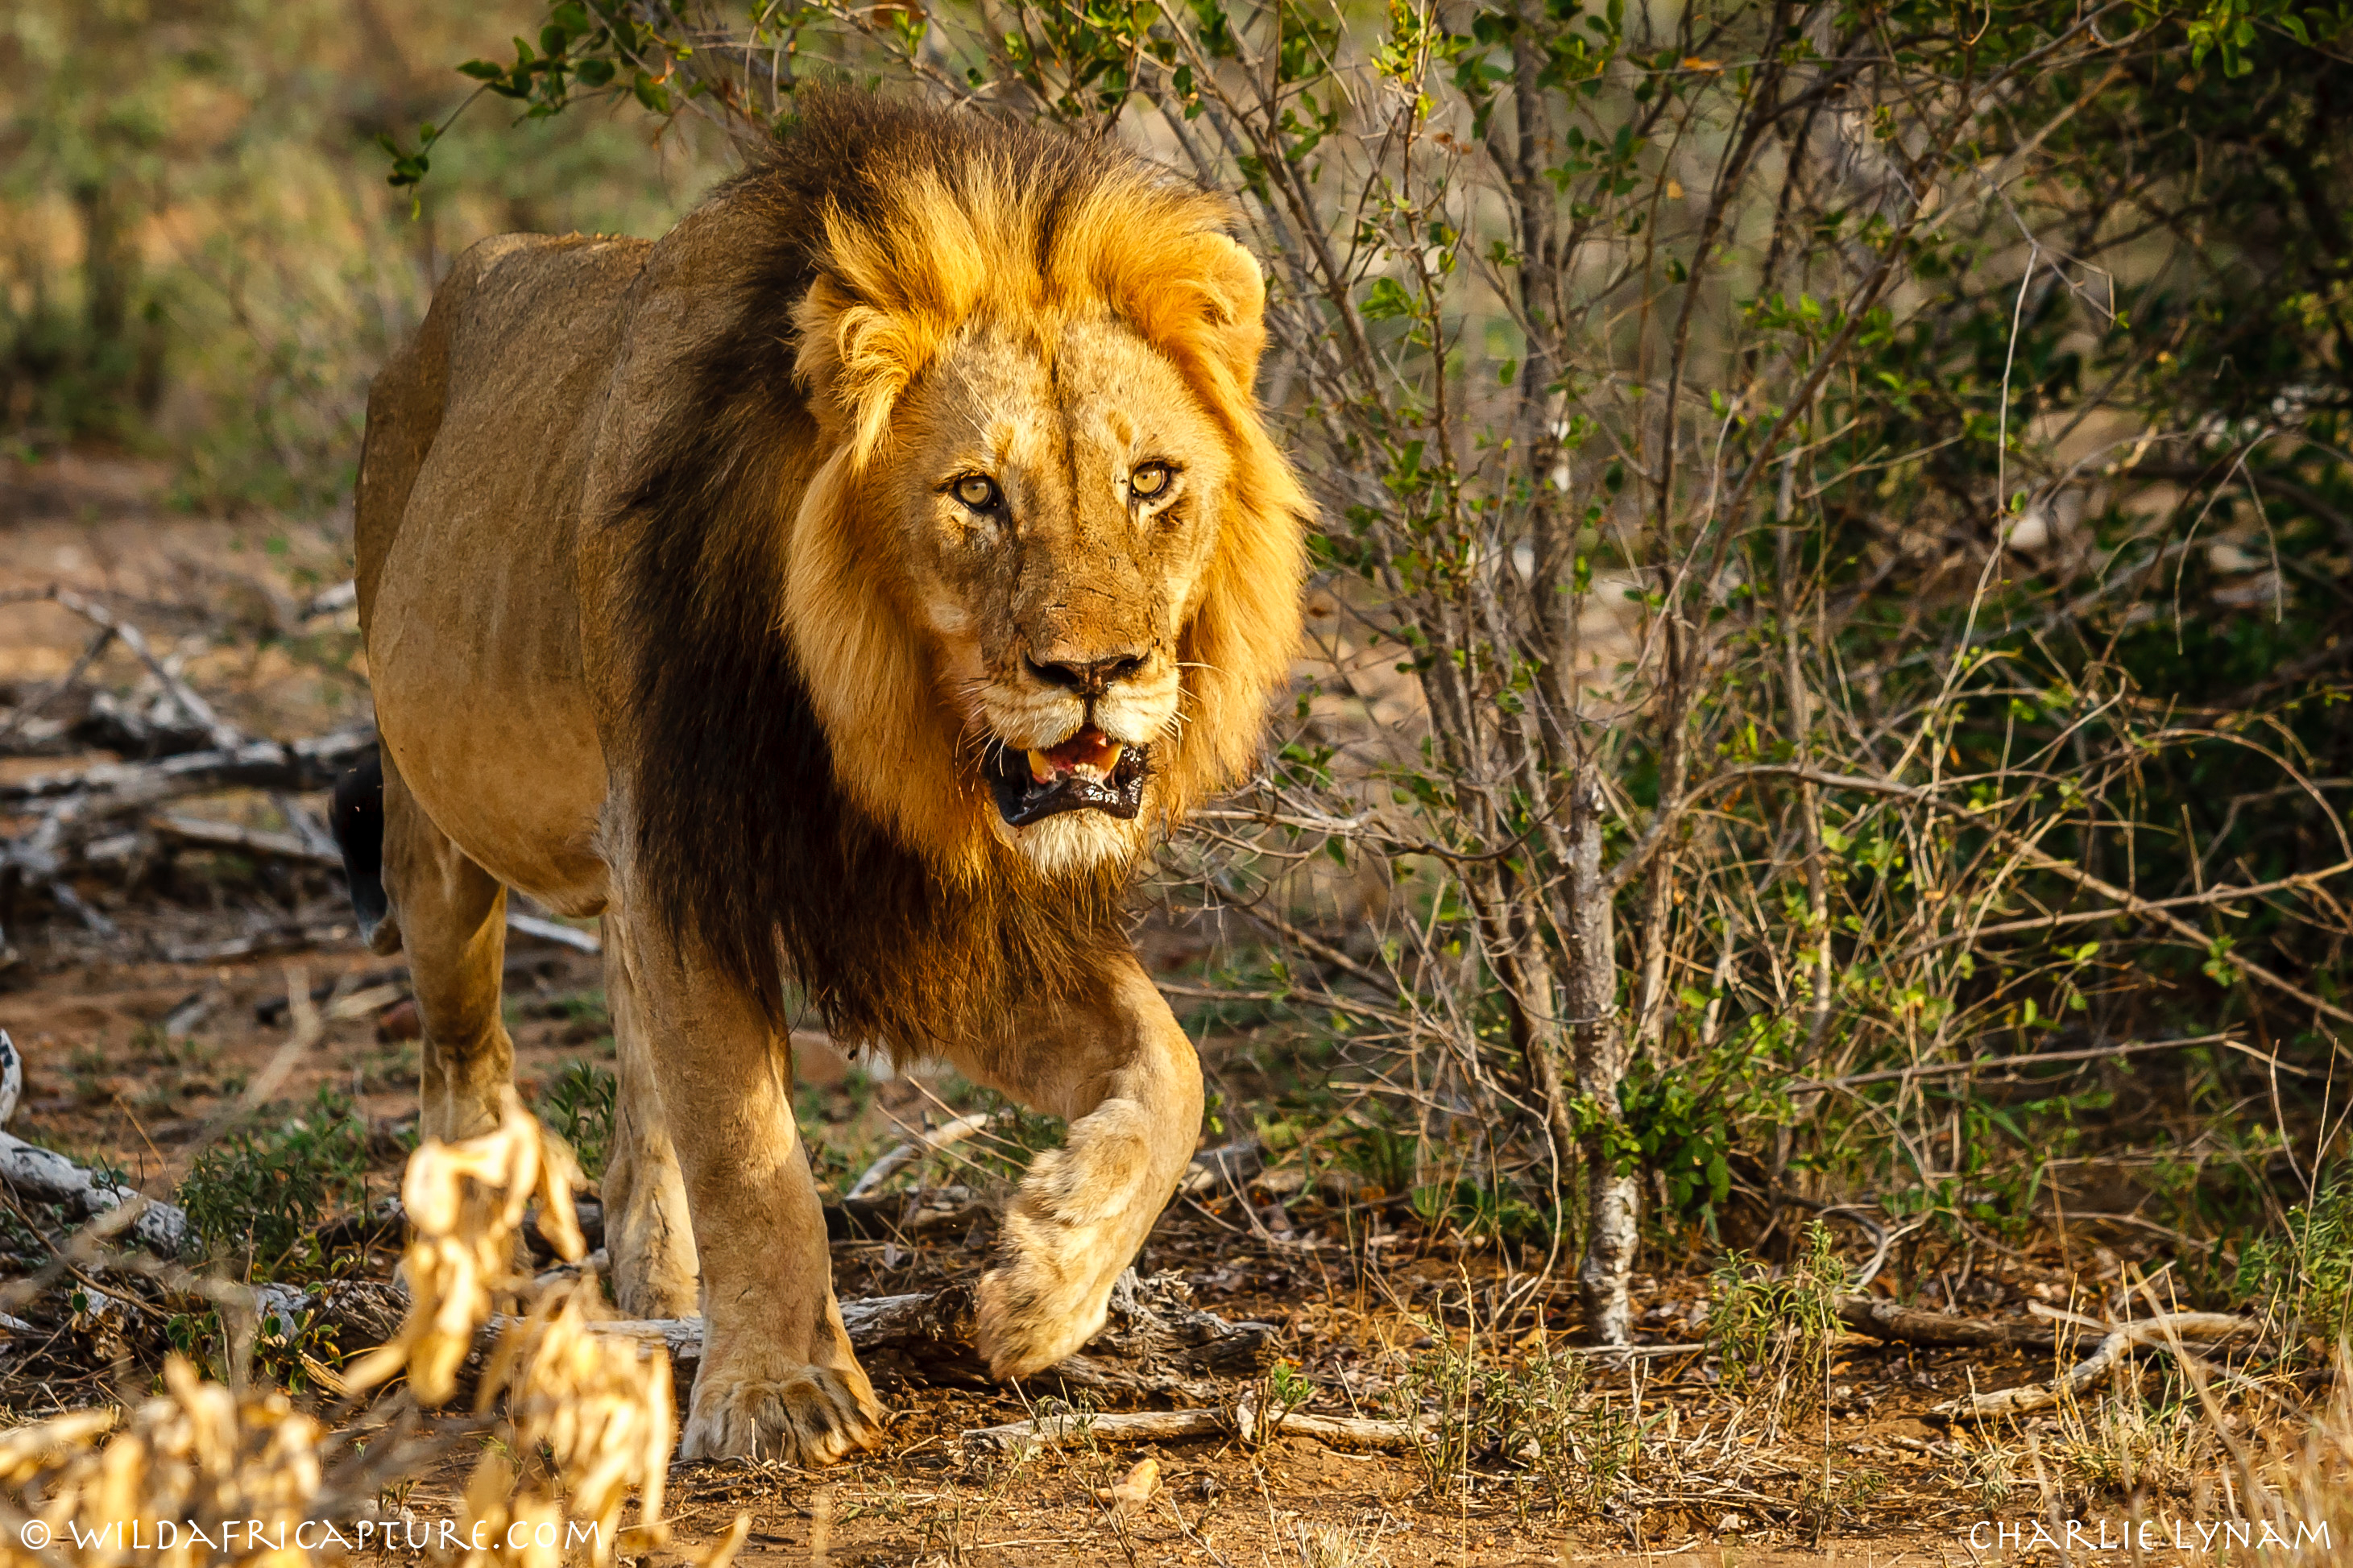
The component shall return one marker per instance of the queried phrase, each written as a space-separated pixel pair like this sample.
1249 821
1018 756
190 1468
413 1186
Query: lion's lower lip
1030 786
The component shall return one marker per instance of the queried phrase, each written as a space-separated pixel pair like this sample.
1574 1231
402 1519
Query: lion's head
1051 492
963 561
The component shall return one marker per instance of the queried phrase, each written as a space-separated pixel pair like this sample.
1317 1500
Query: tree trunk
1612 1194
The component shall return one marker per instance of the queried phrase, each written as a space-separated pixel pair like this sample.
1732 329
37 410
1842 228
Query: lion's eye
977 491
1149 480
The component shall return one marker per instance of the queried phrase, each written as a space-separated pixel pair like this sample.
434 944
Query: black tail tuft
358 822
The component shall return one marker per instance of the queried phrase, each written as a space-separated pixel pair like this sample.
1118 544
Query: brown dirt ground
104 1082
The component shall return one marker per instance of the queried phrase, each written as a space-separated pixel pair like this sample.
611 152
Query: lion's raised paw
1027 1320
812 1417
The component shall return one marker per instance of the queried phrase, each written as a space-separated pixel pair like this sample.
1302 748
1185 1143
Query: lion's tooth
1042 767
1111 757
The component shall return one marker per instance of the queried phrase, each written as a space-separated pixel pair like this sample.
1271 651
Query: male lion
846 586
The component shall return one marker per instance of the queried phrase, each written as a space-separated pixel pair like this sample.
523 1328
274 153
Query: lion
839 596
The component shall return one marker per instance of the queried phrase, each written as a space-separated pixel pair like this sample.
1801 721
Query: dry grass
587 1419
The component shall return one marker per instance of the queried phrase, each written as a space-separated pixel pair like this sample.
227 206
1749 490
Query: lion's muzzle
1089 772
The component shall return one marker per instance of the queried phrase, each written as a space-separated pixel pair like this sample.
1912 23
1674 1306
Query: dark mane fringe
745 843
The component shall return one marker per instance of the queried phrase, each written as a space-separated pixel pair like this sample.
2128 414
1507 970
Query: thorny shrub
1534 1418
579 1107
2302 1279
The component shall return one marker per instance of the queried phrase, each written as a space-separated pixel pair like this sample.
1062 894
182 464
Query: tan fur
548 526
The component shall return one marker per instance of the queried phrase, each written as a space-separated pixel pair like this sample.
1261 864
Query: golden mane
770 772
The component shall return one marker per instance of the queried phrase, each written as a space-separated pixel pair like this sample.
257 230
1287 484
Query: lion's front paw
812 1417
1045 1299
1081 1214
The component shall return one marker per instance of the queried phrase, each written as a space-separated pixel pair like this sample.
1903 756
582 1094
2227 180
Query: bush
261 1195
2302 1279
1775 1334
579 1107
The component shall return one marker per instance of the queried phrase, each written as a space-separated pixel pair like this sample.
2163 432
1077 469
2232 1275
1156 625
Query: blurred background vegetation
200 258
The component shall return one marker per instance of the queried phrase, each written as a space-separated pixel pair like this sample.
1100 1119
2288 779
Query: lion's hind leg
453 925
1119 1067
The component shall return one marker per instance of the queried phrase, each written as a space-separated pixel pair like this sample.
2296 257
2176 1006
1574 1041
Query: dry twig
2168 1330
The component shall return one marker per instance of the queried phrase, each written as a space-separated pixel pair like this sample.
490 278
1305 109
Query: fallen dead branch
114 629
299 936
256 944
1886 1320
897 1159
43 1176
222 733
105 1208
200 834
1241 1419
113 788
204 835
555 931
2168 1330
906 1217
331 601
77 809
1228 1165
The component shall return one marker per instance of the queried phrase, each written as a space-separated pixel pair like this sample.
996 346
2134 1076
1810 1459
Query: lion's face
1058 507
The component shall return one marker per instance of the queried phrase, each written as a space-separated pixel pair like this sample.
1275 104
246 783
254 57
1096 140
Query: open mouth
1089 772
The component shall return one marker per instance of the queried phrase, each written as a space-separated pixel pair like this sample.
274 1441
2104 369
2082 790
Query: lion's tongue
1090 749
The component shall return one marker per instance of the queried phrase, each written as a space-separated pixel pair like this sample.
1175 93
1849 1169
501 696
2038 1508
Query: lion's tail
358 822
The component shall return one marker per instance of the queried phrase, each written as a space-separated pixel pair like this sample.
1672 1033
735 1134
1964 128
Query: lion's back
500 383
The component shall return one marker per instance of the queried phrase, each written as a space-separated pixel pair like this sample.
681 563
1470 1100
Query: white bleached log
47 1177
11 1077
1241 1420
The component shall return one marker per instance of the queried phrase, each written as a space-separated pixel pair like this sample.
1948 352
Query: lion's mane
879 229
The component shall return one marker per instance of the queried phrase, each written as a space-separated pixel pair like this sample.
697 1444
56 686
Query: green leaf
1385 299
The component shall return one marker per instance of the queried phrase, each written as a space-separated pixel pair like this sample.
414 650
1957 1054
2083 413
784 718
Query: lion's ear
855 359
1206 306
1238 291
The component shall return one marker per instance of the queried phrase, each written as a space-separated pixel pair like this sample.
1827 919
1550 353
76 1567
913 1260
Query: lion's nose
1089 677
